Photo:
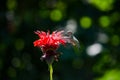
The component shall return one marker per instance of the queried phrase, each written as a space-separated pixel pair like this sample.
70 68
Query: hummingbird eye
69 33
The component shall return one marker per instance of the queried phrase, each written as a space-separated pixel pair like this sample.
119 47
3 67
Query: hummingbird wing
70 38
75 42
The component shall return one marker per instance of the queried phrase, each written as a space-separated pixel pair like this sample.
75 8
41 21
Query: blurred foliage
103 5
98 31
56 15
104 21
111 75
85 20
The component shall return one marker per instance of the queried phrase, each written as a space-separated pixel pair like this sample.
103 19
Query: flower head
49 43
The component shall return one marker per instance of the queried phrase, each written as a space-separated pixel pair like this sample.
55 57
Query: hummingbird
70 38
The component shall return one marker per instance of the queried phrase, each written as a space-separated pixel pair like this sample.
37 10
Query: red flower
49 43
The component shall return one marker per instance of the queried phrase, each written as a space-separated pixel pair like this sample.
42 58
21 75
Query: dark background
98 31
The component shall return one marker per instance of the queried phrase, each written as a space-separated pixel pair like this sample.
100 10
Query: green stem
51 71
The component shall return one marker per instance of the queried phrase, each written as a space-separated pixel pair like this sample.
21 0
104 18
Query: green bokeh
85 22
104 21
19 44
56 15
44 13
11 4
16 62
11 72
115 40
111 75
103 5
